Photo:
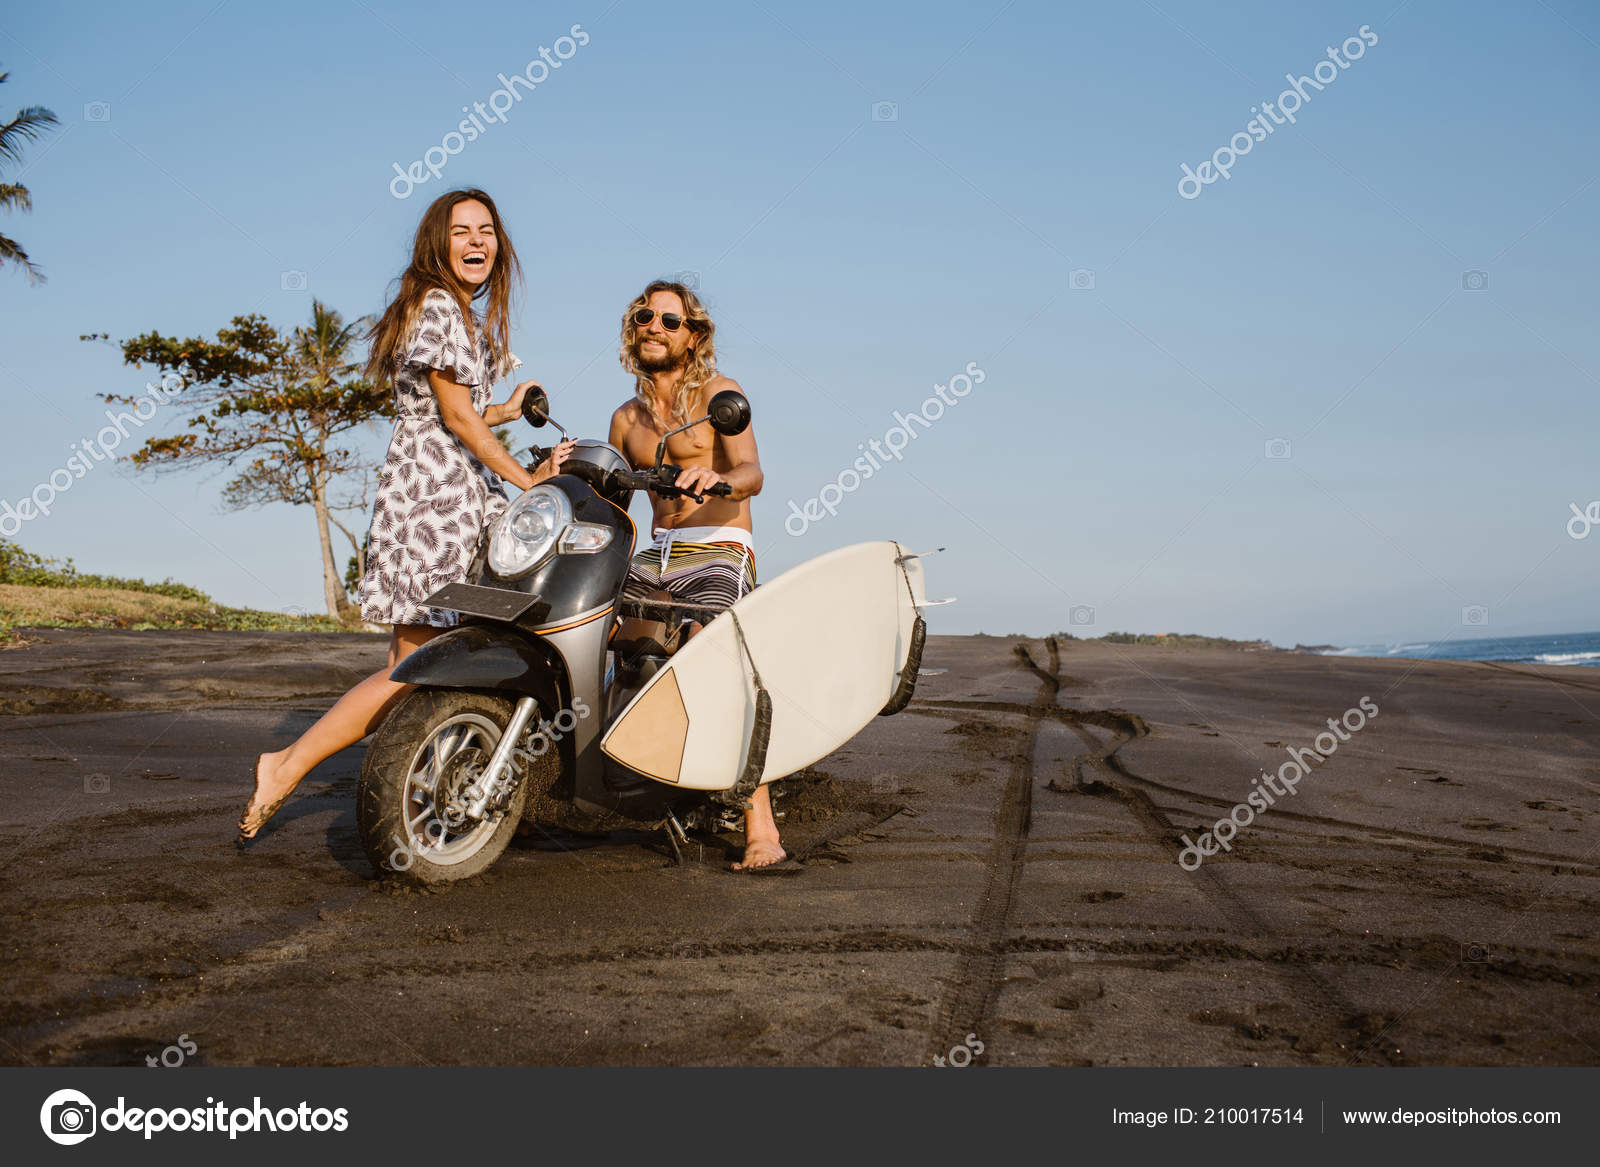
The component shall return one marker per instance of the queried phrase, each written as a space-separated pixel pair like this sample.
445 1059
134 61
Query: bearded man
701 552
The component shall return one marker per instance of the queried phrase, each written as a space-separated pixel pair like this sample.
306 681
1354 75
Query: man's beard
664 363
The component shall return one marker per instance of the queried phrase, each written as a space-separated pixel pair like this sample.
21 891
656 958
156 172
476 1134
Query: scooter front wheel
416 778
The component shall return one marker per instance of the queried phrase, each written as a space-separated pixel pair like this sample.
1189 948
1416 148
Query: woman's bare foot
270 794
761 853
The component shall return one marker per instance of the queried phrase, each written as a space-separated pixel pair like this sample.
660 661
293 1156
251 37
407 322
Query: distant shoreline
37 593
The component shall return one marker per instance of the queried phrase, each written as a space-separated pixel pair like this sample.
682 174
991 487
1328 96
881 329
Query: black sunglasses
671 321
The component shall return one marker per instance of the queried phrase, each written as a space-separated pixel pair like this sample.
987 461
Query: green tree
29 125
278 408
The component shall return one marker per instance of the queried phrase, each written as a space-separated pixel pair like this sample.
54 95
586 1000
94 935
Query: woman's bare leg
353 717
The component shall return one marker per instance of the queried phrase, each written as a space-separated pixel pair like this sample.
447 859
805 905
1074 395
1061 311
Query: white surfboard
829 637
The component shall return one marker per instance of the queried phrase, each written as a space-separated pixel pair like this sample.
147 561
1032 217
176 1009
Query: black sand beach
1001 861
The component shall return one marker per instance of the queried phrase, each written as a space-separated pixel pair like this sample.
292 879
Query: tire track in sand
971 992
971 995
1242 918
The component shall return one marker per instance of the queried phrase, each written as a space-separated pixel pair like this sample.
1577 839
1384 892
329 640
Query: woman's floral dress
434 498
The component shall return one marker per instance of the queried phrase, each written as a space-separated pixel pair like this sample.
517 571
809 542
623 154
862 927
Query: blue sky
1115 456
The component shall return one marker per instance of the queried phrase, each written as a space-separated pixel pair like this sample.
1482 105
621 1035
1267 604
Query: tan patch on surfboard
653 733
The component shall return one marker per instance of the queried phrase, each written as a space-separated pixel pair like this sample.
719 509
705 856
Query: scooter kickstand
675 835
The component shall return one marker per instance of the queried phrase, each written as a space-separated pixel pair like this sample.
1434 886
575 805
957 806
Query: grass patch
36 592
98 607
18 566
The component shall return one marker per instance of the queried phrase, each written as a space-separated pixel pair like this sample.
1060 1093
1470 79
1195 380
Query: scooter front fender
492 658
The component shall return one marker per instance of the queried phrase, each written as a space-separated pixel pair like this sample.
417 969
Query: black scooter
506 722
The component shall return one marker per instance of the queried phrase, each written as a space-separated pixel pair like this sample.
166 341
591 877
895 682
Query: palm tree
29 124
277 408
323 354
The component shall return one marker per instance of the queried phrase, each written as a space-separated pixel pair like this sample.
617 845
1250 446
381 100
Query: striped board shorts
695 565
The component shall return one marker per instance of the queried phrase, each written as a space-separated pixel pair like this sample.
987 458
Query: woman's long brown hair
430 268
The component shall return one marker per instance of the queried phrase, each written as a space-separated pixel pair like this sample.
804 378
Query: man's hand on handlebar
667 481
698 481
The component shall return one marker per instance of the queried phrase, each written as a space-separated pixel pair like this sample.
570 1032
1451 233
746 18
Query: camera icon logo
293 281
97 111
885 111
1278 449
1475 615
689 279
68 1117
1474 281
1474 953
1081 279
97 784
1080 616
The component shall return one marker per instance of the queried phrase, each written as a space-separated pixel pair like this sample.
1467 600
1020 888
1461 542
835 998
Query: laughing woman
442 479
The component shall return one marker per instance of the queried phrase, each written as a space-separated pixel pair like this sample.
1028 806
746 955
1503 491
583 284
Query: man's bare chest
695 446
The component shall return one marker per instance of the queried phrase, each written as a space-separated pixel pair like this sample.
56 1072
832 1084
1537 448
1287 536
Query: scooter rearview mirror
536 407
536 410
729 413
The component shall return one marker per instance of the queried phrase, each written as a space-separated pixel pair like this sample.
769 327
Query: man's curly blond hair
702 370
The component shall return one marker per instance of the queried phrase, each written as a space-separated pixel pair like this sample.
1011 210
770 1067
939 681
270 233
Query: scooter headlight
527 534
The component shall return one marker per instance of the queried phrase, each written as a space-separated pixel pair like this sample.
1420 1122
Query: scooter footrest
493 603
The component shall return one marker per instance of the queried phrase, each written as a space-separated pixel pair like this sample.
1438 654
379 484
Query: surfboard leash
919 635
738 795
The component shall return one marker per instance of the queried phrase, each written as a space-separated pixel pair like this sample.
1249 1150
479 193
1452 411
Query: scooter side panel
490 658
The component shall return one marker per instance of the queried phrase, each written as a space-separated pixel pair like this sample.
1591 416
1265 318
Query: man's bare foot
270 794
761 853
761 846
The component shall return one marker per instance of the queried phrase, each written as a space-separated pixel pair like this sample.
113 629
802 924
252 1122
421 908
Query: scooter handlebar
662 482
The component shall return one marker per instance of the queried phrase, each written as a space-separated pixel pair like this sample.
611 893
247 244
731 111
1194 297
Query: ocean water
1570 648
